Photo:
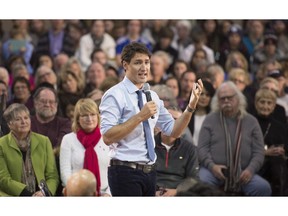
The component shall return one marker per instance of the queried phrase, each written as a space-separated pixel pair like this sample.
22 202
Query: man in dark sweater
46 122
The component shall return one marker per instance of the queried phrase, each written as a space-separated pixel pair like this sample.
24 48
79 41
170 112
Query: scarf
97 41
28 175
89 141
233 158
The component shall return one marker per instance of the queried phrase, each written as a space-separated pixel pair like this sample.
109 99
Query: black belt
146 168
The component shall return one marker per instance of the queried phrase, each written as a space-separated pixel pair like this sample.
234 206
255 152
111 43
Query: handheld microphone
146 88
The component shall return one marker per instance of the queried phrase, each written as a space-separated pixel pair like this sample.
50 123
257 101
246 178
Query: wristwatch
190 109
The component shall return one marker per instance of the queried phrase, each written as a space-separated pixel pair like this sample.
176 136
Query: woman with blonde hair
240 77
84 146
236 59
274 132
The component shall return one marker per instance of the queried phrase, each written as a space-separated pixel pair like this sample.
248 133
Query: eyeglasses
229 98
50 102
87 116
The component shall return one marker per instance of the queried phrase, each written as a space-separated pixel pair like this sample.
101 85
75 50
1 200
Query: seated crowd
53 75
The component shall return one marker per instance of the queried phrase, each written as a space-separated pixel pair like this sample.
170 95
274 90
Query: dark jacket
177 164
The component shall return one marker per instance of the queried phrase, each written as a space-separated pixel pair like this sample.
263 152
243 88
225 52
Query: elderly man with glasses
47 122
231 146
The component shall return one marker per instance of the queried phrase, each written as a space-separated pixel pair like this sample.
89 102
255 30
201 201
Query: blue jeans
126 181
257 186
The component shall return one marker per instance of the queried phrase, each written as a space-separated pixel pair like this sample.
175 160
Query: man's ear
125 65
64 191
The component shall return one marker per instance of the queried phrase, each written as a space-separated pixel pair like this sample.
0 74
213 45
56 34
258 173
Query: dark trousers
126 181
275 171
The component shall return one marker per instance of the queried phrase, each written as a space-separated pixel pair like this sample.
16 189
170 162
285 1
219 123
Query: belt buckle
147 169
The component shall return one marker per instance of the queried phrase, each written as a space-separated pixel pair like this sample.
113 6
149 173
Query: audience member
74 66
97 38
170 103
166 36
199 61
55 41
182 41
151 31
20 70
282 98
199 40
187 81
134 28
279 111
4 129
242 80
173 83
44 59
274 132
216 75
48 123
18 45
70 90
235 59
98 55
81 183
233 43
96 95
253 39
95 76
21 93
211 30
159 66
44 74
231 145
4 75
180 66
84 146
26 157
269 51
59 61
176 161
202 110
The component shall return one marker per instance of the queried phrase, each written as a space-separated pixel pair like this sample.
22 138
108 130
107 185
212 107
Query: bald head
81 183
4 75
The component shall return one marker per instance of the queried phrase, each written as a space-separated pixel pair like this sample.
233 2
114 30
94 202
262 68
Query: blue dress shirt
118 105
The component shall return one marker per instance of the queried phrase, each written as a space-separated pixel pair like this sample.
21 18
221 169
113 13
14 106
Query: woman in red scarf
84 147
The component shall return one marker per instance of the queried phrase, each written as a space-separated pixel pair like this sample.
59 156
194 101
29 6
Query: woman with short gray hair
26 157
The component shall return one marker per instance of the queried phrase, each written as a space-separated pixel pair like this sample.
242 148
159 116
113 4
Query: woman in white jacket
84 146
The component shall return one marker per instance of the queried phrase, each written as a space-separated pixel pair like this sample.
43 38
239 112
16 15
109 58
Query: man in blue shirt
132 171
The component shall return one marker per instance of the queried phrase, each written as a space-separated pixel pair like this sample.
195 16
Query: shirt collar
131 88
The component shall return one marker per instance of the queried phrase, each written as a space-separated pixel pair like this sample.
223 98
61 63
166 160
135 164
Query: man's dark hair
166 32
131 49
20 79
95 51
41 88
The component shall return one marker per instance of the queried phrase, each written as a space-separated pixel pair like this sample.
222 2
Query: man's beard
46 114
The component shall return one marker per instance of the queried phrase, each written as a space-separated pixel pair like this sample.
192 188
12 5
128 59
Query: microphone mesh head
146 87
